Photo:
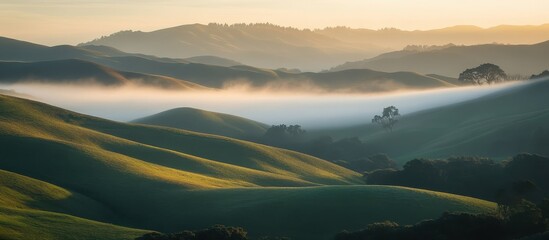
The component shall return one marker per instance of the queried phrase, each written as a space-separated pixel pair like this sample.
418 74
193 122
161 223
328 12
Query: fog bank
307 109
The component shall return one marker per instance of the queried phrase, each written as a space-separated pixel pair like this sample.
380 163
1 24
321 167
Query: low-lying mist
310 110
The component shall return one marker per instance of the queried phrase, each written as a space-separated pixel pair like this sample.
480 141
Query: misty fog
307 109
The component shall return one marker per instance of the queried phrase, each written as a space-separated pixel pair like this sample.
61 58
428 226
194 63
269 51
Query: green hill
206 122
73 71
451 61
498 125
314 212
165 179
264 211
28 211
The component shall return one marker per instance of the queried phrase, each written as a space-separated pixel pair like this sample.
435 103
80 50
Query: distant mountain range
106 61
271 46
452 60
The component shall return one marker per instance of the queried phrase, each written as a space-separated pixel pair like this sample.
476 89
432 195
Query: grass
498 125
206 122
313 212
16 224
301 213
59 166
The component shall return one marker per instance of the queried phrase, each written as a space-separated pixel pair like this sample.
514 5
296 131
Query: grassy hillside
362 80
22 224
319 212
206 122
73 71
451 61
313 212
165 179
498 125
28 211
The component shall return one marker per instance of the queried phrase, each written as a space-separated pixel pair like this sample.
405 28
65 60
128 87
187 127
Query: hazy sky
72 21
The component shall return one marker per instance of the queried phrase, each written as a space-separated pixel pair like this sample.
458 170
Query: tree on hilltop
388 118
485 73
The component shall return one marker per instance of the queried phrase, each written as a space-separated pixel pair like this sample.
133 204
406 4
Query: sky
53 22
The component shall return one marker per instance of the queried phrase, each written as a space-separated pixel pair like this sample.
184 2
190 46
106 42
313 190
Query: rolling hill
271 46
60 166
497 125
362 80
451 61
73 71
33 209
198 120
263 45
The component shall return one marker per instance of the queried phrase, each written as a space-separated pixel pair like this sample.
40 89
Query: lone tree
388 118
485 73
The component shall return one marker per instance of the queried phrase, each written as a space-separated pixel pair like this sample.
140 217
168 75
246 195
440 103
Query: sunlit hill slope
75 166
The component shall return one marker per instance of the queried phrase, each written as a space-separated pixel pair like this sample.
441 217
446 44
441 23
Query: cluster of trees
543 75
525 176
283 135
262 25
350 153
217 232
389 117
425 48
524 219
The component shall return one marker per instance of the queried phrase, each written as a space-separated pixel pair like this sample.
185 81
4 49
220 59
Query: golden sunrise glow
69 22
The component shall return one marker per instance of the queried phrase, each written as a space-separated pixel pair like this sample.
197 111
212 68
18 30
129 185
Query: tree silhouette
388 118
543 75
485 73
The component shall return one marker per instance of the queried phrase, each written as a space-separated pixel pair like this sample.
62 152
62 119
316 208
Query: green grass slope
498 125
198 120
316 212
23 224
302 213
166 179
135 148
73 71
33 209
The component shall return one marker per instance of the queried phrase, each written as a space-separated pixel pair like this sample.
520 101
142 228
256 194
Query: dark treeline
524 176
542 75
351 152
217 232
523 220
520 220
